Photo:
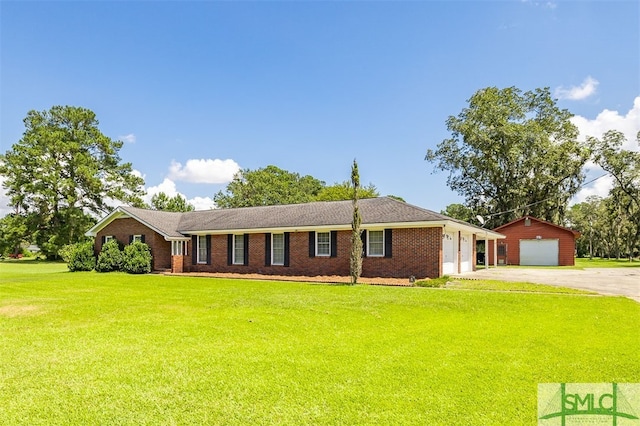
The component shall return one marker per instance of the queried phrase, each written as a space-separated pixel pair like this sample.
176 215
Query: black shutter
208 249
194 249
229 249
142 238
246 249
103 239
130 239
267 249
286 249
363 237
334 243
312 243
388 233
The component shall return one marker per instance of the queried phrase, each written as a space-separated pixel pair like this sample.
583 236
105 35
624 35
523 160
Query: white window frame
274 260
238 256
326 244
108 238
201 250
370 252
136 238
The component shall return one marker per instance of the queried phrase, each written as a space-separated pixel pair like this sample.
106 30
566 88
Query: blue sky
199 89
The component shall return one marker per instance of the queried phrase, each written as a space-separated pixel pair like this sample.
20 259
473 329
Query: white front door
449 253
465 253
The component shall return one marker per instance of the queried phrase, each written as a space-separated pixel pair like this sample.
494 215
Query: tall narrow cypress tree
355 263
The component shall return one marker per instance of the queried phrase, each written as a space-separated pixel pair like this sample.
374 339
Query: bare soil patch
12 311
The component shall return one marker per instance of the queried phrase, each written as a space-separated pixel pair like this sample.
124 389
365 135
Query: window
136 238
202 249
375 243
238 249
108 238
177 248
277 249
323 243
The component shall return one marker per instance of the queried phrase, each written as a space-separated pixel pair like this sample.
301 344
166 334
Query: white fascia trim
118 213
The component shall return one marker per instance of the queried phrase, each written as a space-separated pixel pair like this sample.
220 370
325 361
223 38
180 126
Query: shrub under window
110 257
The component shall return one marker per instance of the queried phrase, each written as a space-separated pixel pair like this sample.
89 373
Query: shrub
137 258
80 256
110 257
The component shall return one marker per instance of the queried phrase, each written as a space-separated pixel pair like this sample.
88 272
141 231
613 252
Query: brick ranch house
312 239
531 241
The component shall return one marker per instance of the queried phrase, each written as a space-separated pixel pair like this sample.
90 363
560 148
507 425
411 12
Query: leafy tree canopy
460 212
62 170
268 186
344 191
512 152
178 203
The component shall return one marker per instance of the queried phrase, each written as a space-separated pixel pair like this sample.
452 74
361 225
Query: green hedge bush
137 258
110 257
80 256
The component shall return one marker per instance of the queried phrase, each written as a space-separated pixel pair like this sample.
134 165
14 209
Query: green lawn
86 348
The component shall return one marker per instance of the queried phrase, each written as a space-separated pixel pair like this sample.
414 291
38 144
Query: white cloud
202 203
628 124
204 171
169 187
130 138
586 89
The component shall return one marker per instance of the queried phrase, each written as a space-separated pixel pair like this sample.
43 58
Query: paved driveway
608 281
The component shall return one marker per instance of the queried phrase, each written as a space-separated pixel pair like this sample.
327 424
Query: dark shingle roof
373 211
324 213
166 223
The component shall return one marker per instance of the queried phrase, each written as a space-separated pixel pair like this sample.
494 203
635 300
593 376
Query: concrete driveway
607 281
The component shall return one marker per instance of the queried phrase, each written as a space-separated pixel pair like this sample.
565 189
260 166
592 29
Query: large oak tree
61 172
512 153
266 187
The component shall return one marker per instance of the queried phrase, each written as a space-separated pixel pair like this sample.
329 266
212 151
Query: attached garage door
539 252
465 253
449 253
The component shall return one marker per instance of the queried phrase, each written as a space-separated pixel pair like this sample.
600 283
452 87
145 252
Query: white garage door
539 252
465 253
449 253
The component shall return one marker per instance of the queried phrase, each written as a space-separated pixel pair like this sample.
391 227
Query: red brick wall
122 229
414 252
518 231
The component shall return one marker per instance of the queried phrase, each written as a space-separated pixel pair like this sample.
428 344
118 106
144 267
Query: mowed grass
89 348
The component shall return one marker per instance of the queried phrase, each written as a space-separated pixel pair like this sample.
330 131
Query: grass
521 286
88 348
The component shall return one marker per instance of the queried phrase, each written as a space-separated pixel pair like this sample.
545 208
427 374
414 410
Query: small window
277 249
202 249
502 250
527 222
108 238
238 249
323 244
136 238
375 243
